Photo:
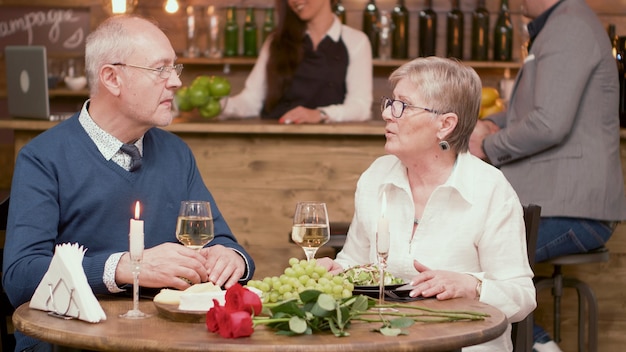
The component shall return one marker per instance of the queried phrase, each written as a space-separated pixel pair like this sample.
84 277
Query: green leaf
327 302
391 331
309 296
401 322
297 325
360 304
288 308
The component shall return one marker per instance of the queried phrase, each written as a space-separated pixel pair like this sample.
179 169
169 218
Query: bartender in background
558 143
311 69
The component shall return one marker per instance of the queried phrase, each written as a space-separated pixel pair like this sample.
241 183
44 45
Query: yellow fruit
497 106
489 96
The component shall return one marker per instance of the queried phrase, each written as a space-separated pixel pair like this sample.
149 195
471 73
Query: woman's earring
444 145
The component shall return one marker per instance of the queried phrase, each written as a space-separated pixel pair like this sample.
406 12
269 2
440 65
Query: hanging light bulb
171 6
116 7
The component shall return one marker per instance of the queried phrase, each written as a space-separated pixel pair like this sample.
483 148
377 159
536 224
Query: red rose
236 324
239 298
213 316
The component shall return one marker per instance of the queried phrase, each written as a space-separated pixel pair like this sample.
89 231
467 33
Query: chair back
522 332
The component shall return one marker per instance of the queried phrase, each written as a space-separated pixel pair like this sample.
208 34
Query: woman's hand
301 114
330 265
442 284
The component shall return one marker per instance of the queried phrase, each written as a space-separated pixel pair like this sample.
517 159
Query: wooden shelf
376 62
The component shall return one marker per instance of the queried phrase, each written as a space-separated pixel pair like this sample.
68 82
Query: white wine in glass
194 227
310 227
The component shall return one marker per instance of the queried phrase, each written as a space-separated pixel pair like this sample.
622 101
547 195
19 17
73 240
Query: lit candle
383 229
136 235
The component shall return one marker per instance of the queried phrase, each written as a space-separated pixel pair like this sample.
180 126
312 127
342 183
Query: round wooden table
157 333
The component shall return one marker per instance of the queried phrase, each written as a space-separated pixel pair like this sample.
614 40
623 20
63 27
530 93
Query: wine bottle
613 37
400 38
454 33
371 19
503 34
621 68
427 42
480 32
268 23
231 33
250 34
340 11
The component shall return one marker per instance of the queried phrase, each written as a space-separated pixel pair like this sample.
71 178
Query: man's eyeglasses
164 71
398 106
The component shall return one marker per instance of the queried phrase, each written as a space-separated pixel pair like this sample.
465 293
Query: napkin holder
64 291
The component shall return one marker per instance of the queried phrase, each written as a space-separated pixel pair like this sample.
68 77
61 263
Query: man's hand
166 265
223 266
482 129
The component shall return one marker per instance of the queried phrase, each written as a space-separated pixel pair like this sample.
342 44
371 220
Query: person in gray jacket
558 143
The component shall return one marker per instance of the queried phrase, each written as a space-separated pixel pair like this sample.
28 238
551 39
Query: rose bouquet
315 311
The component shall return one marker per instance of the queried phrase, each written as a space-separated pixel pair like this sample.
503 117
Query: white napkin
64 289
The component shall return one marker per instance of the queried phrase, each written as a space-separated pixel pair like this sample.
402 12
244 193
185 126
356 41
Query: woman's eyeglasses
398 106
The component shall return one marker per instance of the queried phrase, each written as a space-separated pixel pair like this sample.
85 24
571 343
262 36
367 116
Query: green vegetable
368 275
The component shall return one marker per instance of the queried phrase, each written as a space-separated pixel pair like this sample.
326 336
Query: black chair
522 331
8 340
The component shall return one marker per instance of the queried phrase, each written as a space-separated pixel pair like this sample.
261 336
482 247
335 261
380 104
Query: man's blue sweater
65 191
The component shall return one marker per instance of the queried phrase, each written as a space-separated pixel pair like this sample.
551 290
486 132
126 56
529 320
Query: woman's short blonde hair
446 85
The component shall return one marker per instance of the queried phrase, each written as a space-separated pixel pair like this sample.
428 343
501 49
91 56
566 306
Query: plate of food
365 279
190 305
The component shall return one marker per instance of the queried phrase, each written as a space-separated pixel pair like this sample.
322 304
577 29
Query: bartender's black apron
319 80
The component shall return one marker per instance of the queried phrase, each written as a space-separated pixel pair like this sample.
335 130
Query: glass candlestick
135 313
136 244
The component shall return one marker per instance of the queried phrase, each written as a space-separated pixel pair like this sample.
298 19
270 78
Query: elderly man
78 182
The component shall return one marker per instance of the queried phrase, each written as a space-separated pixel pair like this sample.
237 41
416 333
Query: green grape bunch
300 276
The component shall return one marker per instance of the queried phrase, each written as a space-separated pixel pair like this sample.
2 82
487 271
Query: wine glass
310 227
194 227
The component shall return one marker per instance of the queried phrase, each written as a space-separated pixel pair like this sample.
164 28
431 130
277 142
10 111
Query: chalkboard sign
60 30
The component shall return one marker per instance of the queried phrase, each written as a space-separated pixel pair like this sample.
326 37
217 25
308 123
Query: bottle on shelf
192 50
213 22
454 31
231 33
480 32
250 34
427 42
610 29
371 20
340 11
385 36
268 23
503 34
621 68
400 29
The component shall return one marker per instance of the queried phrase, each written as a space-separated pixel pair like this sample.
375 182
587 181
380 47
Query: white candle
135 235
383 229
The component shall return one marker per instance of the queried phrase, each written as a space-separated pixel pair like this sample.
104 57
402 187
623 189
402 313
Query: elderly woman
456 224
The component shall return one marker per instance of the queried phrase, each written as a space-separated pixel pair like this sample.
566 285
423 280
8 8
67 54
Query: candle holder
135 244
135 313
